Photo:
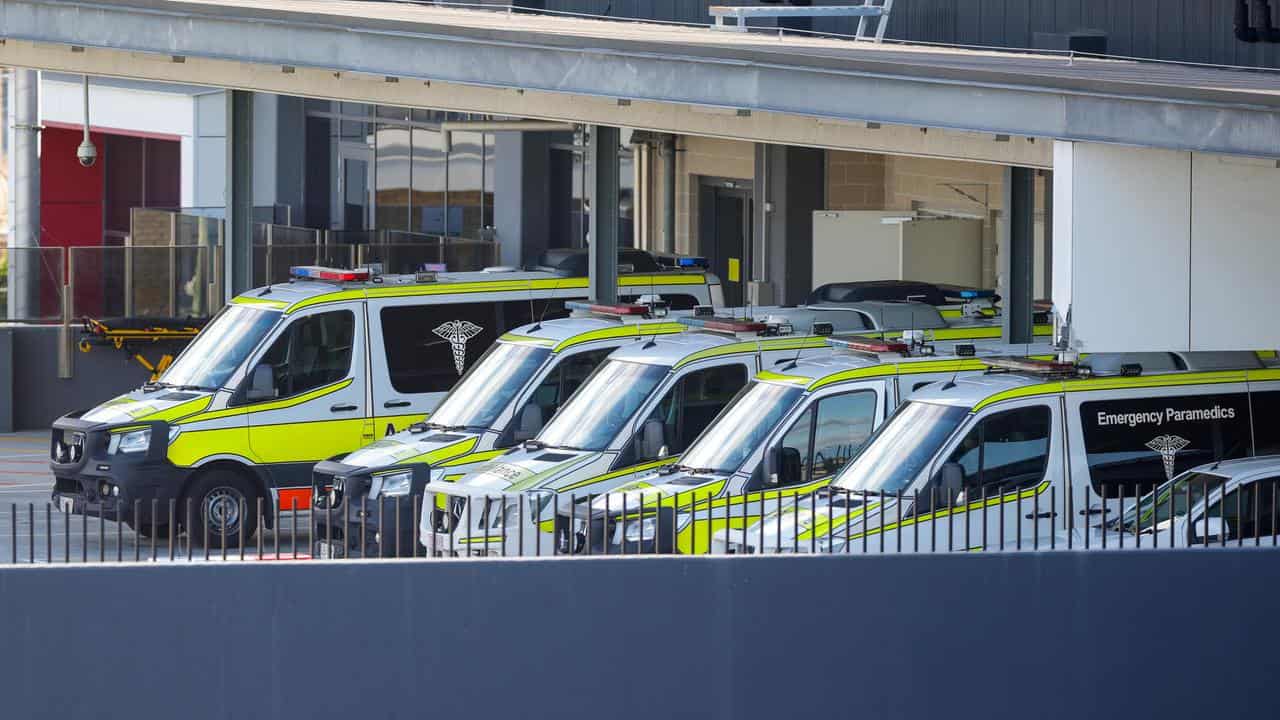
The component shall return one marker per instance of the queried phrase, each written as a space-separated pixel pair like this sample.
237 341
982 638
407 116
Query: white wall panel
1235 253
1129 246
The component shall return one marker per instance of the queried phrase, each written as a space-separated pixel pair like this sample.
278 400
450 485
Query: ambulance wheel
222 500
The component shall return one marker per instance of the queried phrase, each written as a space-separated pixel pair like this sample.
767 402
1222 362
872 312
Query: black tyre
222 500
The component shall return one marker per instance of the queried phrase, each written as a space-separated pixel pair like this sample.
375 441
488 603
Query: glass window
1171 499
602 406
741 428
489 386
428 182
1006 451
1266 435
1133 444
428 347
559 385
686 410
221 347
466 180
902 447
391 178
844 423
313 352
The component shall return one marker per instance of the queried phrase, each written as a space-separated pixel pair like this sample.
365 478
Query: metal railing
534 524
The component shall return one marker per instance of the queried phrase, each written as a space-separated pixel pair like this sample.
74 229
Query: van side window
429 347
685 411
822 440
551 393
522 312
1266 432
1128 440
1006 451
314 351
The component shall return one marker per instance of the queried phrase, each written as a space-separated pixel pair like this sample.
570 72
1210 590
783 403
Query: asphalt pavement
32 530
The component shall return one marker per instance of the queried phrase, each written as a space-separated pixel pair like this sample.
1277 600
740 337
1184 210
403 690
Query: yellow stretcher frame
99 333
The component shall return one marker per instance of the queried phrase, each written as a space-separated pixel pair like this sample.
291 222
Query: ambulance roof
671 349
286 296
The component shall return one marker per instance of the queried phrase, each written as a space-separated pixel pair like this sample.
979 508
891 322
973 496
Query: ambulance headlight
133 441
394 484
635 530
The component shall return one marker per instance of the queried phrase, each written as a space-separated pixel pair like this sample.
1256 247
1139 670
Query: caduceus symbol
458 332
1168 446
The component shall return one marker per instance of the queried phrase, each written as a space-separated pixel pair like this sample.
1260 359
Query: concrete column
24 281
1018 262
668 153
602 186
522 196
239 196
788 189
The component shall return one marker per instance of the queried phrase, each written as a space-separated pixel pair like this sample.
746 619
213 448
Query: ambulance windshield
901 448
221 347
1171 499
741 428
488 387
602 406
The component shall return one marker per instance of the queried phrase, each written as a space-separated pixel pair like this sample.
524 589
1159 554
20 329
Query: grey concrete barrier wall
1154 634
40 396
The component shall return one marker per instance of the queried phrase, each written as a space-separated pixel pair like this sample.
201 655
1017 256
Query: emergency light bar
721 324
620 310
972 294
1044 368
864 344
315 272
691 261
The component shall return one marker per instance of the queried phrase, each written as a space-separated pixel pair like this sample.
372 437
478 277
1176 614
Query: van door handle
396 404
1091 511
342 408
1046 514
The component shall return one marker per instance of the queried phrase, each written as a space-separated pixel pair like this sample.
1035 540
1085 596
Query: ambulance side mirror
785 467
950 482
262 384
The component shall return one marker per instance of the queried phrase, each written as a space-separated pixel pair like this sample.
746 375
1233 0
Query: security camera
87 154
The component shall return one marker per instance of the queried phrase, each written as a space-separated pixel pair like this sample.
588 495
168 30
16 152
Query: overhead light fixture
1002 138
77 48
287 69
392 79
743 112
178 59
873 126
624 102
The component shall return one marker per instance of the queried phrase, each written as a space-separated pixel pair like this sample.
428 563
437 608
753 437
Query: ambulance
638 412
366 502
1228 502
299 372
786 435
1031 454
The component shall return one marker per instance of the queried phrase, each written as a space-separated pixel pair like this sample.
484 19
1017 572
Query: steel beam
24 279
1018 262
1108 103
239 197
604 188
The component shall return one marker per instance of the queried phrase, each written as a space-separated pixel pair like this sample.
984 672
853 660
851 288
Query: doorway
354 207
724 232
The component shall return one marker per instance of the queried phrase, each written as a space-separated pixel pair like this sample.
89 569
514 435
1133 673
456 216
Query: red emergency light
860 343
1049 368
315 272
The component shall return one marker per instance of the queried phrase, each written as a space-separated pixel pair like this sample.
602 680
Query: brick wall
705 157
855 180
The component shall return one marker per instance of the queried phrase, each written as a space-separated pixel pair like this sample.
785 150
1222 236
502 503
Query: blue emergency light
976 294
315 272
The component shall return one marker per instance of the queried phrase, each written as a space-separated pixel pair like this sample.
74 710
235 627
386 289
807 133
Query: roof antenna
538 324
555 290
791 365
